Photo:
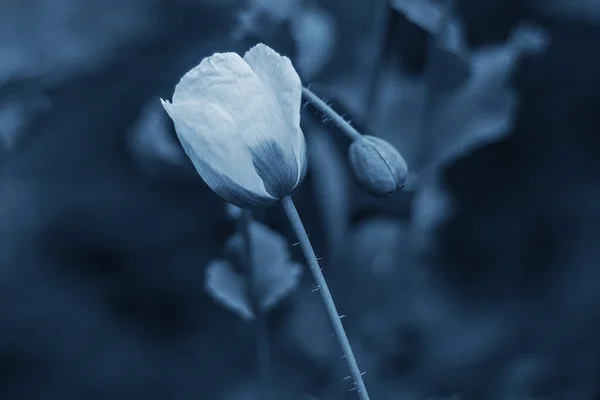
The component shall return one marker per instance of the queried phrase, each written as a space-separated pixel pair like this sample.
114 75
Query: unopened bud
377 165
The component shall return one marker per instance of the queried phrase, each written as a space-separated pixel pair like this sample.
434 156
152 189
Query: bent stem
344 125
292 214
262 331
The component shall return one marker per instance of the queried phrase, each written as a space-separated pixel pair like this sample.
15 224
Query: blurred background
479 280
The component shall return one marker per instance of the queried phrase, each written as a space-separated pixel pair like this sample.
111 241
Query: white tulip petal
301 157
226 80
279 74
210 142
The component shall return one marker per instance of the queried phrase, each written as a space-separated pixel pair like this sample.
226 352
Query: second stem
262 331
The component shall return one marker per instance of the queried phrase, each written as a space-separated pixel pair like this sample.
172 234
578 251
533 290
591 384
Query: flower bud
377 165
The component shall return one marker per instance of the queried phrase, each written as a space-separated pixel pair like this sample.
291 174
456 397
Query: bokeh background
479 281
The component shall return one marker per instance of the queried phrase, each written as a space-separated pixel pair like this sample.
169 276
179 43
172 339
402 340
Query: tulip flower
238 120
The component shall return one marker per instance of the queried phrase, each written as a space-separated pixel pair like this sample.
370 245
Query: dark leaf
330 181
427 14
450 70
21 102
313 30
228 287
152 142
274 274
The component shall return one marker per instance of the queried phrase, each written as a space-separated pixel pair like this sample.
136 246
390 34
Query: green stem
262 330
344 125
292 214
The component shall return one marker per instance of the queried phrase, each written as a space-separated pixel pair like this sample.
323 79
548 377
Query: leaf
437 18
152 142
278 282
268 248
483 110
473 104
313 30
330 181
450 70
228 287
274 274
21 102
478 112
232 213
448 67
54 40
427 14
251 18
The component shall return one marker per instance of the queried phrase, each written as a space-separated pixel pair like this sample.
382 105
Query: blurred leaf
21 102
313 30
437 18
278 282
273 277
53 39
427 14
330 180
450 70
228 287
447 65
268 248
233 213
251 18
439 130
482 111
152 142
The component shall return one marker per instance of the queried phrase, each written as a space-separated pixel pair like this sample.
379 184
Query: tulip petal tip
165 103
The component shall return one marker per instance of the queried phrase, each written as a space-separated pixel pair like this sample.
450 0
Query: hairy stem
262 330
344 125
292 214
